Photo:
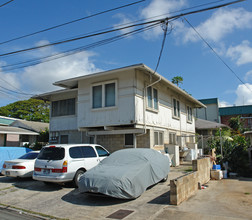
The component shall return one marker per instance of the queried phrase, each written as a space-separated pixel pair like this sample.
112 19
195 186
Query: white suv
67 162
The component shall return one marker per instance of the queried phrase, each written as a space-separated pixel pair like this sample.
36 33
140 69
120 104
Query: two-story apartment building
126 107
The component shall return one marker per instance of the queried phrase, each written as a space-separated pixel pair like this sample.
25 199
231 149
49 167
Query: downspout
144 104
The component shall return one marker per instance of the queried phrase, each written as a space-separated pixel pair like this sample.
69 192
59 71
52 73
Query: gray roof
14 130
30 125
201 124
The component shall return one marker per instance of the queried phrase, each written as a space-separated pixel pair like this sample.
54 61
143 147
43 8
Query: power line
216 54
162 45
70 22
79 49
118 29
6 3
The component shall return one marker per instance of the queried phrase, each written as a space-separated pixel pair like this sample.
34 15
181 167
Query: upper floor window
63 107
176 108
104 95
189 114
152 95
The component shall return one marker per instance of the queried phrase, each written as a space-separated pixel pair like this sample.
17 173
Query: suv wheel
77 176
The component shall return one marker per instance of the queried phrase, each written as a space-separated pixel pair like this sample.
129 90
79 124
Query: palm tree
177 80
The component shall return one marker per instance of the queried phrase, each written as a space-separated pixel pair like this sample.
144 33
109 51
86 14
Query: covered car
126 173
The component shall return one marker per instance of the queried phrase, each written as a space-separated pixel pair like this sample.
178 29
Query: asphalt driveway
226 199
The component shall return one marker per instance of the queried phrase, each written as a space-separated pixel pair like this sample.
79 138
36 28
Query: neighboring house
204 127
245 113
211 112
17 132
125 107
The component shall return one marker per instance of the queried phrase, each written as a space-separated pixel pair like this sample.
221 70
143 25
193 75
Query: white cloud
242 53
39 78
158 8
125 21
221 23
224 104
244 94
248 76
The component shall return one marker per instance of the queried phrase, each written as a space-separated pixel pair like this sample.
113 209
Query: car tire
77 176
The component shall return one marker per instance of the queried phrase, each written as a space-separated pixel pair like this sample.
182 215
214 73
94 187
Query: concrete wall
185 186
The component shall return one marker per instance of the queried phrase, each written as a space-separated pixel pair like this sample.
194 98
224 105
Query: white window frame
172 140
103 84
160 140
189 112
175 110
152 99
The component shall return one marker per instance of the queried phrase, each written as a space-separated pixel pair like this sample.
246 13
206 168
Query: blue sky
227 30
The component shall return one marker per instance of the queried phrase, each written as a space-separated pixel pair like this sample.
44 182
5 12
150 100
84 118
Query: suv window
88 152
82 152
101 151
52 153
75 152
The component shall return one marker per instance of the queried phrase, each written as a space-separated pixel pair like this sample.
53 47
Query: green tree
177 80
236 124
30 110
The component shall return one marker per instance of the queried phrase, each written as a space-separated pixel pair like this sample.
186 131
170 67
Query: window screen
97 96
63 107
129 139
109 94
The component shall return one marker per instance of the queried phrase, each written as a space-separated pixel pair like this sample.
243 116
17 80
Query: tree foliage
234 150
236 124
30 110
177 80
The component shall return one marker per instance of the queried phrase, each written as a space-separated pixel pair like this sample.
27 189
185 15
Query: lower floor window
129 140
63 139
158 138
172 138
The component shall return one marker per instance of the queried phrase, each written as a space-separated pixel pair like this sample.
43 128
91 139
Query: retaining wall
185 186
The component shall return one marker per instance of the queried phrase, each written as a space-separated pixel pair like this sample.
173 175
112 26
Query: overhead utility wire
216 54
15 64
165 28
70 22
79 49
99 43
118 29
6 3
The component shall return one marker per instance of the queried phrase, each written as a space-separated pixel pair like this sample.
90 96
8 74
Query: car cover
126 173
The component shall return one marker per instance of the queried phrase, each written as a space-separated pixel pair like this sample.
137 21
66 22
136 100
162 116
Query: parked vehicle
21 167
67 162
126 173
